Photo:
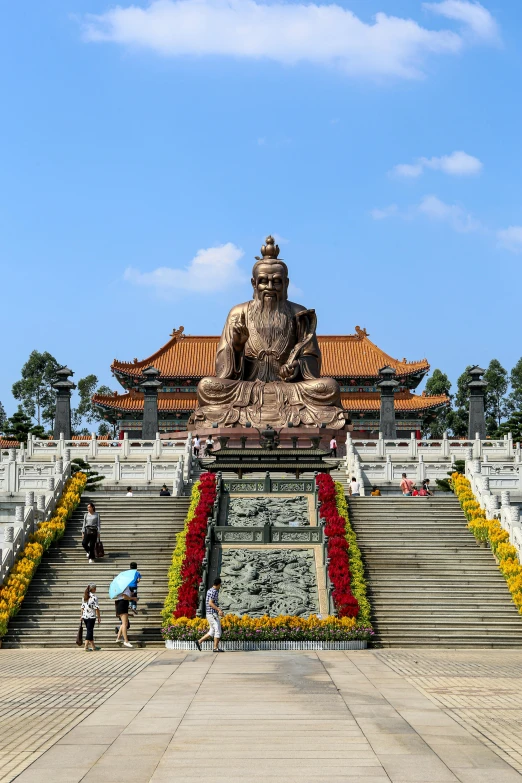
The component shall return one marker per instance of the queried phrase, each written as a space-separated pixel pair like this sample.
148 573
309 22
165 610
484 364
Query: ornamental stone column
387 386
63 387
149 387
477 389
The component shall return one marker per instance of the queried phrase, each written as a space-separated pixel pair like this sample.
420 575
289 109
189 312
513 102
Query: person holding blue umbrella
120 591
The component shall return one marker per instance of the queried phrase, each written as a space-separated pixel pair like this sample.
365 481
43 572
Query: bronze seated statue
268 361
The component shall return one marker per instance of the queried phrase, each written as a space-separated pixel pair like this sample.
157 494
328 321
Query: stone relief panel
255 512
272 582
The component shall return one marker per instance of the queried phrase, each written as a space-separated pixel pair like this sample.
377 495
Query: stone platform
290 437
369 716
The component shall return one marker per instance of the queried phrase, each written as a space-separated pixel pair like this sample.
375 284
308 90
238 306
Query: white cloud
287 33
458 164
477 18
211 270
381 214
511 238
453 214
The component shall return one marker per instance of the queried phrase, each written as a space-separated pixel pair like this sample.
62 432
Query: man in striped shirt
213 613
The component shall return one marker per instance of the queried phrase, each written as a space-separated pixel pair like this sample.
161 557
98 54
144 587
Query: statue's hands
288 371
240 333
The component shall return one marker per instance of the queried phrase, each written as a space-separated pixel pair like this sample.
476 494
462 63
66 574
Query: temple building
353 360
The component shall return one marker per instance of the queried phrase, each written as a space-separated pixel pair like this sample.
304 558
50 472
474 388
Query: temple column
63 387
387 387
150 387
477 389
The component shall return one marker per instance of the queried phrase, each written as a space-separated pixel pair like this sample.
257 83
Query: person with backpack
91 531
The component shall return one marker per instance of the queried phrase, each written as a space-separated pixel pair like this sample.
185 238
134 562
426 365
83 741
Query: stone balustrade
27 515
443 449
507 478
90 448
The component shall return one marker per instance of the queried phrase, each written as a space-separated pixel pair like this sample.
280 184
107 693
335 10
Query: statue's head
270 277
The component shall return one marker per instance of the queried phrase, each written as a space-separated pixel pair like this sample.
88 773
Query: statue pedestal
289 437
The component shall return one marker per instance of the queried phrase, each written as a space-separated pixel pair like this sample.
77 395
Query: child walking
133 605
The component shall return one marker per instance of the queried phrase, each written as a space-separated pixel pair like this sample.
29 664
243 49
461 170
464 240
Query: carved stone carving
273 582
278 511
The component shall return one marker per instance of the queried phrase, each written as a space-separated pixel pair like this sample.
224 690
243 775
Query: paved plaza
425 716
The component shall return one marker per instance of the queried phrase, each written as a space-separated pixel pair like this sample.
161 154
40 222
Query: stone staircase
140 528
430 584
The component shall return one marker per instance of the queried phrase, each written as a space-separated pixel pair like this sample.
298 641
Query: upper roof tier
351 355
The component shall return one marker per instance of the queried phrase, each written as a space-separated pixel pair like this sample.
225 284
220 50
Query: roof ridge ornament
269 250
361 333
178 333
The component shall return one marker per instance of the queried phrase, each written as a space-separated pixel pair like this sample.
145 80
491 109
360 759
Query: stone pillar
149 387
477 388
8 534
19 513
63 387
50 483
505 496
387 387
29 499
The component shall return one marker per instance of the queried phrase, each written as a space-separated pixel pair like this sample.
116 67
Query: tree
93 477
458 418
34 390
20 425
513 425
438 384
495 403
3 417
86 410
514 400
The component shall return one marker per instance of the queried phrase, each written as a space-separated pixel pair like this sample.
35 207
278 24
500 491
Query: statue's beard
271 318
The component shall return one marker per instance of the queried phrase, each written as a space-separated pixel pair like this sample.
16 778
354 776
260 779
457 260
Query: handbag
79 635
99 551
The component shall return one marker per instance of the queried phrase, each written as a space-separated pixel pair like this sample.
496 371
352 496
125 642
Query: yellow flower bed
13 590
358 582
281 628
491 530
178 556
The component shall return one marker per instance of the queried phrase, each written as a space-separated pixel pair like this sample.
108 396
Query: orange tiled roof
8 444
404 401
351 355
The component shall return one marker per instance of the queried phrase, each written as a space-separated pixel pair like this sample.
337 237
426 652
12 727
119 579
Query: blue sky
135 141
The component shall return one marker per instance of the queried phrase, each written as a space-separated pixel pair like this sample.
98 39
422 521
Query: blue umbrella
121 582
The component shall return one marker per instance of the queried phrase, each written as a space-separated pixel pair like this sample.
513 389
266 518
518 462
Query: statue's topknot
269 251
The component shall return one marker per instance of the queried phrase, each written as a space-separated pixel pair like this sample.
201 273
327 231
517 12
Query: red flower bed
346 604
195 548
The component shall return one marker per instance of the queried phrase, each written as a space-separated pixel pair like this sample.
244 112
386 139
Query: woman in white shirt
89 613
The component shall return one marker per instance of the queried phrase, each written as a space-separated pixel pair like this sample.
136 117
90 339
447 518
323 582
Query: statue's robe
247 387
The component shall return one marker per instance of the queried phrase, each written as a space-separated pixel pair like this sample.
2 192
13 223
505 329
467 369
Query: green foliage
93 477
513 425
514 400
495 403
34 389
3 417
459 466
86 410
20 425
438 422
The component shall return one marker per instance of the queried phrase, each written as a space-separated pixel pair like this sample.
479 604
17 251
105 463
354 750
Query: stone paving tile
336 717
479 689
45 693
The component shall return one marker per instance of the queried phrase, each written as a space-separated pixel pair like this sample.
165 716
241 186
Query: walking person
122 611
129 492
355 488
406 485
209 446
333 447
213 613
90 611
196 445
133 587
426 486
164 493
91 531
